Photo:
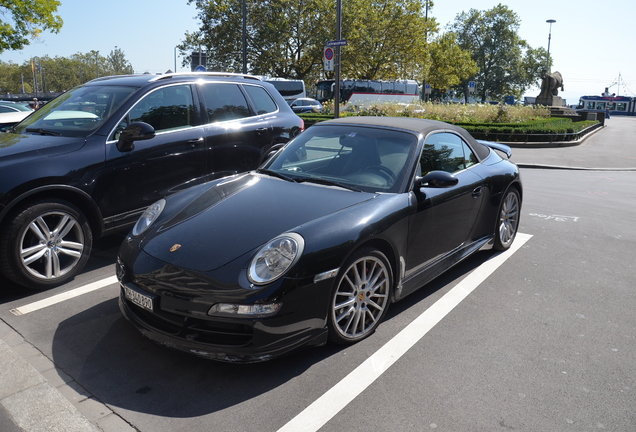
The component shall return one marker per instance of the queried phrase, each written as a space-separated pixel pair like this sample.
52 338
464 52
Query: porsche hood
235 216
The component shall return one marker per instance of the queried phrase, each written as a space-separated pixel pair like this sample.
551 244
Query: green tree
61 73
11 76
23 20
286 38
117 63
450 65
492 38
386 41
534 62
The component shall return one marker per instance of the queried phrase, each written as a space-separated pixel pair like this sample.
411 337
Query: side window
165 109
262 100
446 152
224 102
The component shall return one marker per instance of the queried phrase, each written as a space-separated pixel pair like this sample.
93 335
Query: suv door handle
195 141
477 192
261 131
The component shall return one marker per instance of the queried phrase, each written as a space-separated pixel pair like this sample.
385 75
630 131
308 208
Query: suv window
225 102
165 109
446 152
262 100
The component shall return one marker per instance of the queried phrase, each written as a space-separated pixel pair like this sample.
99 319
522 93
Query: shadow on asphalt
112 361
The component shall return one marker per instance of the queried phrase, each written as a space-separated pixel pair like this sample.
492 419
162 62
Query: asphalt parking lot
30 396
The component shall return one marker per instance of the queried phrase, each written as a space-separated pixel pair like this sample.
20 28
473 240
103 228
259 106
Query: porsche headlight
275 258
148 217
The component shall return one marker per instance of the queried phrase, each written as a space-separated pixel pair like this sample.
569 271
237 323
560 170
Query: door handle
477 192
261 131
194 142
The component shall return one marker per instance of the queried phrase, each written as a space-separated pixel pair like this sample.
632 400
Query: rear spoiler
501 147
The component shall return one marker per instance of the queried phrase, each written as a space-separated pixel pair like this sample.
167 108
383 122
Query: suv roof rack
216 74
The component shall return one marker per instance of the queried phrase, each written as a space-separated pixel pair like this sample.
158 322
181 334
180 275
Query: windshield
364 158
78 112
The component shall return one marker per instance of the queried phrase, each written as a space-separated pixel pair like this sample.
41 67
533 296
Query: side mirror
270 153
436 179
137 131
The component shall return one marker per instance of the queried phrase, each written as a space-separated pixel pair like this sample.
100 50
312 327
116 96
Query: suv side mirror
436 179
136 131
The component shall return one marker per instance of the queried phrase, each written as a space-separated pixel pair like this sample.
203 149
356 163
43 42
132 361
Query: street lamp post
244 13
175 59
547 61
336 92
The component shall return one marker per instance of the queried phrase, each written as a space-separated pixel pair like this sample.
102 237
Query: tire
361 297
45 244
507 220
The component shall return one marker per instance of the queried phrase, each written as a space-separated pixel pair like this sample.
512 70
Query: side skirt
415 281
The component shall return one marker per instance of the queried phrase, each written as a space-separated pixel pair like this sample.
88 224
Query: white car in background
12 113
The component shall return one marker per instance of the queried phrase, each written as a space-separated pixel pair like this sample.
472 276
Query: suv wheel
46 244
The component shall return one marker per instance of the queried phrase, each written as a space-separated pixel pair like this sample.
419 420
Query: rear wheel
46 244
508 220
361 297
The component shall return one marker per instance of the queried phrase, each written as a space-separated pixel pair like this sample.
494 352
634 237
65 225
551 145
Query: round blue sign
200 68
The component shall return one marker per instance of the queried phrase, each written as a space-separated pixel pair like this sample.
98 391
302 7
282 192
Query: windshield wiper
326 182
275 174
43 131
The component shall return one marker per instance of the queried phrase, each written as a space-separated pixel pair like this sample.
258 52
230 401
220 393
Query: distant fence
18 97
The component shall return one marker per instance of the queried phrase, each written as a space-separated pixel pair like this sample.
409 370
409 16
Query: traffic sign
340 42
328 59
200 68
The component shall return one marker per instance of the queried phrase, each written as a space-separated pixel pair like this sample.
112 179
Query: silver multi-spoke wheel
361 297
52 245
508 221
46 243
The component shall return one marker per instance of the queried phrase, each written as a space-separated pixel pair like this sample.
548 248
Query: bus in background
366 92
290 89
618 105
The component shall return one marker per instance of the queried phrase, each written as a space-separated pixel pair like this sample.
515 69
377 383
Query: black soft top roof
415 125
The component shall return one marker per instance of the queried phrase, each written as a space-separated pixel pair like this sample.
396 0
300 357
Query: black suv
90 161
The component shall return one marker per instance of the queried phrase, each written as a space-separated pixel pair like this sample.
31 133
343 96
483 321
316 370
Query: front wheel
46 244
508 220
361 297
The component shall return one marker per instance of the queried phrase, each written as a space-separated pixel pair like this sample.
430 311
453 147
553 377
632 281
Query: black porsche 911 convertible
350 216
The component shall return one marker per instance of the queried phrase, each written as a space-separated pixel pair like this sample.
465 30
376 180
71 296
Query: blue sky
590 45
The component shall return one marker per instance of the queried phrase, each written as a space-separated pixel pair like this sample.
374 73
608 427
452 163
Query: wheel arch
75 196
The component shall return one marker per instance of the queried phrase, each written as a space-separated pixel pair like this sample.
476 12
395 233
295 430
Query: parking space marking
41 304
334 400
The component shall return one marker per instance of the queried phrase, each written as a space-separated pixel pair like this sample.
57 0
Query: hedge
501 131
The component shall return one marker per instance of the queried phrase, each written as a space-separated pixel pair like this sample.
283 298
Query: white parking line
334 400
32 307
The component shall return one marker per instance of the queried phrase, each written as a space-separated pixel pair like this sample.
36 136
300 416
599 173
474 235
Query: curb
551 144
39 397
559 167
